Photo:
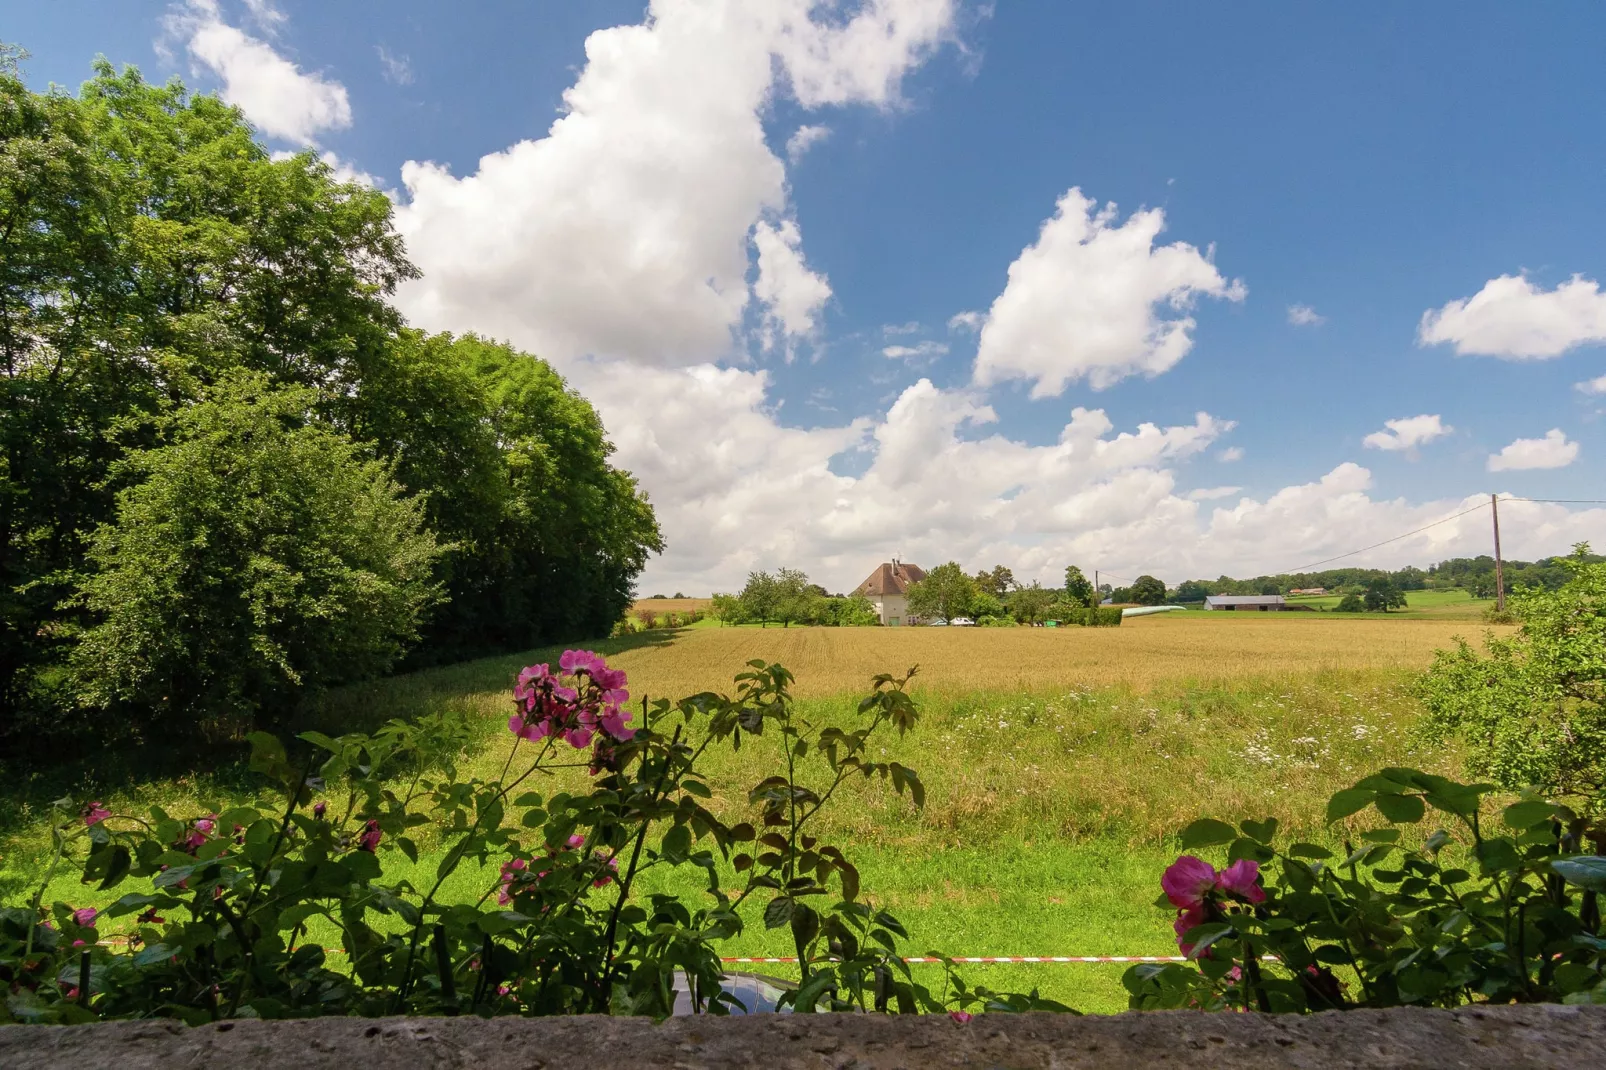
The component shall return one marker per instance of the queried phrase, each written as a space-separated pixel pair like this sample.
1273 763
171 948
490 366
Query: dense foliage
946 592
255 556
233 907
1479 911
1534 706
150 248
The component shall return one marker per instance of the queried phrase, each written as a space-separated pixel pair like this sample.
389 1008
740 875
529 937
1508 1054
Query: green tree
1029 604
795 598
1534 706
1078 590
1148 591
260 558
997 582
148 244
986 605
946 592
728 609
760 598
1382 596
548 537
854 611
1350 603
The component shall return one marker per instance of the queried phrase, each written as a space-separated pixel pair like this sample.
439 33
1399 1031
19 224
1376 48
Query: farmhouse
888 590
1252 602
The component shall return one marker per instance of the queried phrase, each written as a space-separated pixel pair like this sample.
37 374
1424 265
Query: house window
894 621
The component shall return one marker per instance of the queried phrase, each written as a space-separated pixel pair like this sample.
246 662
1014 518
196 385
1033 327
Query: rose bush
305 910
1478 911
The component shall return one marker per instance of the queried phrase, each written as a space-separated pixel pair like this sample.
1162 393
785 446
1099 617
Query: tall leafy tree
147 244
996 582
1029 604
1078 588
1148 591
760 598
946 592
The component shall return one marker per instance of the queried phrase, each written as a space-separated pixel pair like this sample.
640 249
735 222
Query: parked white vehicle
962 622
938 623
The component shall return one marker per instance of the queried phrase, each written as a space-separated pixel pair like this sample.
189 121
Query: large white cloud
1090 299
278 97
626 231
1552 451
1512 318
933 481
792 295
1407 433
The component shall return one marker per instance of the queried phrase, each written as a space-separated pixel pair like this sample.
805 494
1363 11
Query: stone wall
1507 1038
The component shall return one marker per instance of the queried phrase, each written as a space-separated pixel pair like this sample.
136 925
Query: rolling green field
1058 763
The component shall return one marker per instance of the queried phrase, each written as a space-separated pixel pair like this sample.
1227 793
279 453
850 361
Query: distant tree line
230 477
1472 574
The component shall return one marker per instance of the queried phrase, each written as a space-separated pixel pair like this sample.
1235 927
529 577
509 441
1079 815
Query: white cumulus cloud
1407 433
1305 316
970 321
628 230
1514 319
791 294
1096 299
920 351
1592 386
279 98
1552 451
1230 454
804 139
1206 494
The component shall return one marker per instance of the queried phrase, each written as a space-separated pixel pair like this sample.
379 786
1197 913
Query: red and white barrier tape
986 959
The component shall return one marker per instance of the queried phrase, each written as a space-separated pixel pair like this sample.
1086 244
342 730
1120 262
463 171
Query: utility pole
1499 568
1098 597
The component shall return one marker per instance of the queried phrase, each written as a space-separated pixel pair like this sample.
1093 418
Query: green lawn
1049 817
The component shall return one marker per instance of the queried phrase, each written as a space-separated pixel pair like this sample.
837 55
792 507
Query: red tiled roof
891 577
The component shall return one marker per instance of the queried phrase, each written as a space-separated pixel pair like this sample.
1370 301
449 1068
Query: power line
1385 542
1559 501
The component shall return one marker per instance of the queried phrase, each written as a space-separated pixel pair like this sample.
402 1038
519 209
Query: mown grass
1057 765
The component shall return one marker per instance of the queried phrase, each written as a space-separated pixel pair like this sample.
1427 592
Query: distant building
888 590
1309 591
1240 602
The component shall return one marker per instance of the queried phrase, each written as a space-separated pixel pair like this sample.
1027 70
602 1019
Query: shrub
1465 914
1534 708
224 898
256 558
1350 603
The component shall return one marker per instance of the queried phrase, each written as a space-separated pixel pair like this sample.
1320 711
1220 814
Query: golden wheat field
1140 653
659 606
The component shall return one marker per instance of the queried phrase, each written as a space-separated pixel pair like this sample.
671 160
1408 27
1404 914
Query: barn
1258 603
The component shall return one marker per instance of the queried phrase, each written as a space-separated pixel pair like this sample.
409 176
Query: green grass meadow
1050 814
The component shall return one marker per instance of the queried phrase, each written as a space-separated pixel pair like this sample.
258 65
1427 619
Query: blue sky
730 305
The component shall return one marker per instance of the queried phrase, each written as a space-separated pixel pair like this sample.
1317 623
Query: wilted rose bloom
1242 881
370 837
961 1016
1186 881
95 813
607 878
85 916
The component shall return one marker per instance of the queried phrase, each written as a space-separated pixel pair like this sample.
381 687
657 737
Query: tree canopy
946 592
150 249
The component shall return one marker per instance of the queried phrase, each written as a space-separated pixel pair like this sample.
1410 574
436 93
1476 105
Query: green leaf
1207 832
1527 814
1401 809
1349 801
1260 831
1587 871
1309 850
677 843
779 912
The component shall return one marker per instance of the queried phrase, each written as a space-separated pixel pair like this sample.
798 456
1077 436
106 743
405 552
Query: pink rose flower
961 1016
1241 880
85 916
95 813
370 837
1186 881
1186 921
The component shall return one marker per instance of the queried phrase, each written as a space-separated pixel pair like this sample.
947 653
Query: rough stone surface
1508 1038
